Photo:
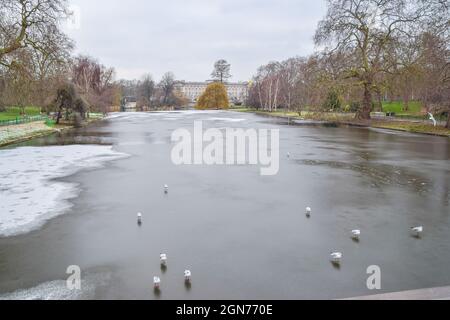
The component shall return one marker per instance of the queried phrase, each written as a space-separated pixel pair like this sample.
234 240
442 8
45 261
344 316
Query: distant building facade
128 103
237 91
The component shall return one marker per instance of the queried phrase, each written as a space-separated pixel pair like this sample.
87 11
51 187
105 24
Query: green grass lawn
13 112
415 107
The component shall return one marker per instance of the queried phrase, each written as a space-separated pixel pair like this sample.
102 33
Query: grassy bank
304 115
349 119
414 107
411 127
22 132
13 113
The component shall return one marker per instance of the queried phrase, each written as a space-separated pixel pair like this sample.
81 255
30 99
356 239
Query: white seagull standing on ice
432 118
336 257
156 282
139 217
166 189
356 234
308 212
417 231
163 258
187 275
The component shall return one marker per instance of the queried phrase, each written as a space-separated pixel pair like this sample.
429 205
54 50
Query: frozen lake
72 199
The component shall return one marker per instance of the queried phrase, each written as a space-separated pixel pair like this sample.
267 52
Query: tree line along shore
371 57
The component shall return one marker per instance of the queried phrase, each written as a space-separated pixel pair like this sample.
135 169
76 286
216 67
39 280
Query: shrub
80 106
77 120
215 97
67 102
332 102
355 106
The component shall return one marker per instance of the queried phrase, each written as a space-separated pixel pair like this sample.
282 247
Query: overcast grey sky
188 36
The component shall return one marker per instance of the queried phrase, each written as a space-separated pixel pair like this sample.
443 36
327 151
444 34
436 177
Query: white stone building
129 104
237 91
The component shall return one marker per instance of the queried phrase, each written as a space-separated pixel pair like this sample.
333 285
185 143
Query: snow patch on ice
29 194
57 290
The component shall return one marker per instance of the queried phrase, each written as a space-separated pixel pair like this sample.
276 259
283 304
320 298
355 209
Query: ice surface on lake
55 290
28 194
226 119
172 115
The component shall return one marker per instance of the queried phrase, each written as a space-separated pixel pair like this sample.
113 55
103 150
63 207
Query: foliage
179 100
214 97
332 102
70 104
355 106
50 123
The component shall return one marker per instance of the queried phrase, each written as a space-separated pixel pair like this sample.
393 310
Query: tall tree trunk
289 101
448 119
269 97
260 98
364 112
406 102
405 94
379 102
275 99
58 117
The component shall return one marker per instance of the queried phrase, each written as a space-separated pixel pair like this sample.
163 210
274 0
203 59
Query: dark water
245 236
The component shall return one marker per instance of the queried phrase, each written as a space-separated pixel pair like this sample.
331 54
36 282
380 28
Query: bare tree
221 71
19 84
445 78
368 28
167 85
2 91
51 65
129 88
268 80
434 72
146 91
289 77
26 23
94 82
309 90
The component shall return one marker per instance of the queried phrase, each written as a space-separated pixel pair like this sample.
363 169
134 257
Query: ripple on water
379 174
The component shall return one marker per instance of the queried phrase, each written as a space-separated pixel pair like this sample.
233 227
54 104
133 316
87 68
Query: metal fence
22 120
